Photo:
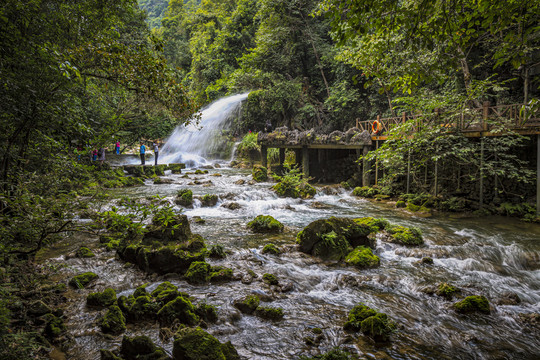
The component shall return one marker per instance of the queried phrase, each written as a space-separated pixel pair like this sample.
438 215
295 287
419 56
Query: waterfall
195 143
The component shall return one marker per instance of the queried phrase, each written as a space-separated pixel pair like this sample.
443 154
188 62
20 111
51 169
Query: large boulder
141 347
174 230
197 344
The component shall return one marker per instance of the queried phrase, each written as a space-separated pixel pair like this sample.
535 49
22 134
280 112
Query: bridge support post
305 161
408 172
264 156
281 156
376 163
538 175
365 165
481 172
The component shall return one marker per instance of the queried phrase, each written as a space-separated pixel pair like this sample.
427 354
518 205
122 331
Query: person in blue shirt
142 152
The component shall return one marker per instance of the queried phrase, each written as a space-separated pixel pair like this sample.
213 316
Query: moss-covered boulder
159 170
378 327
198 272
362 257
175 230
184 197
114 321
140 291
405 236
271 249
446 290
209 200
400 204
334 238
206 312
108 355
197 344
270 279
180 309
54 328
248 304
135 170
475 303
144 307
356 315
176 168
220 274
102 299
294 188
259 173
269 313
141 347
84 252
164 287
82 280
217 252
366 192
265 224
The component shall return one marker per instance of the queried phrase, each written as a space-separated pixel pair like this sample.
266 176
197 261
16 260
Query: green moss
176 168
373 224
379 327
82 280
270 279
144 307
103 299
197 344
265 224
332 246
259 173
221 274
209 200
446 290
271 249
475 303
365 192
248 304
164 286
406 236
269 313
362 257
114 321
358 314
140 291
201 172
141 347
54 328
180 309
198 272
401 204
206 312
184 197
84 252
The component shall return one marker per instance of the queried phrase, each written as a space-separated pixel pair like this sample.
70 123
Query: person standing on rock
156 151
117 147
142 151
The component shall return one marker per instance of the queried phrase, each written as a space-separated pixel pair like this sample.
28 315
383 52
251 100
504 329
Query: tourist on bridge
117 147
268 126
156 151
142 151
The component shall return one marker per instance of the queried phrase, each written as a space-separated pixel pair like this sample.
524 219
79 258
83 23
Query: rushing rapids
488 256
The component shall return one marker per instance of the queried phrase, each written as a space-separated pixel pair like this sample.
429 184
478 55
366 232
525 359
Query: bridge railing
486 118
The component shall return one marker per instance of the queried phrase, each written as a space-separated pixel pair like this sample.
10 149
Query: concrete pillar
305 161
264 156
365 165
281 156
297 157
538 175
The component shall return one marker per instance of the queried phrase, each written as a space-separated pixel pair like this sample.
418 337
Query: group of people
142 152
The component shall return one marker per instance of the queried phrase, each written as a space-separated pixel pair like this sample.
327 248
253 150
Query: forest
82 74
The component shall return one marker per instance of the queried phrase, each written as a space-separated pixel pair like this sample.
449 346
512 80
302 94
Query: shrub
259 173
247 144
293 184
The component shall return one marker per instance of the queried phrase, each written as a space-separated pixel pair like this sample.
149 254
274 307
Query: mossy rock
334 238
140 291
405 236
248 304
209 200
197 344
217 252
365 192
302 190
446 290
108 355
198 272
270 279
176 168
84 252
180 309
175 229
141 347
271 249
356 315
401 204
54 328
102 299
159 170
259 173
375 225
269 313
475 303
184 197
221 274
82 280
206 312
265 224
201 172
163 287
144 307
362 257
114 321
378 327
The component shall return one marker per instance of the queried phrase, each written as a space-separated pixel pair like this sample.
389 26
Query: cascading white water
193 144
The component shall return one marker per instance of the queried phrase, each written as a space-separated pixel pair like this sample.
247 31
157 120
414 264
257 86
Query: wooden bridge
485 121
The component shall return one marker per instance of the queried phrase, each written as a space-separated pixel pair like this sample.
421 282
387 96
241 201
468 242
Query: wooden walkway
479 122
